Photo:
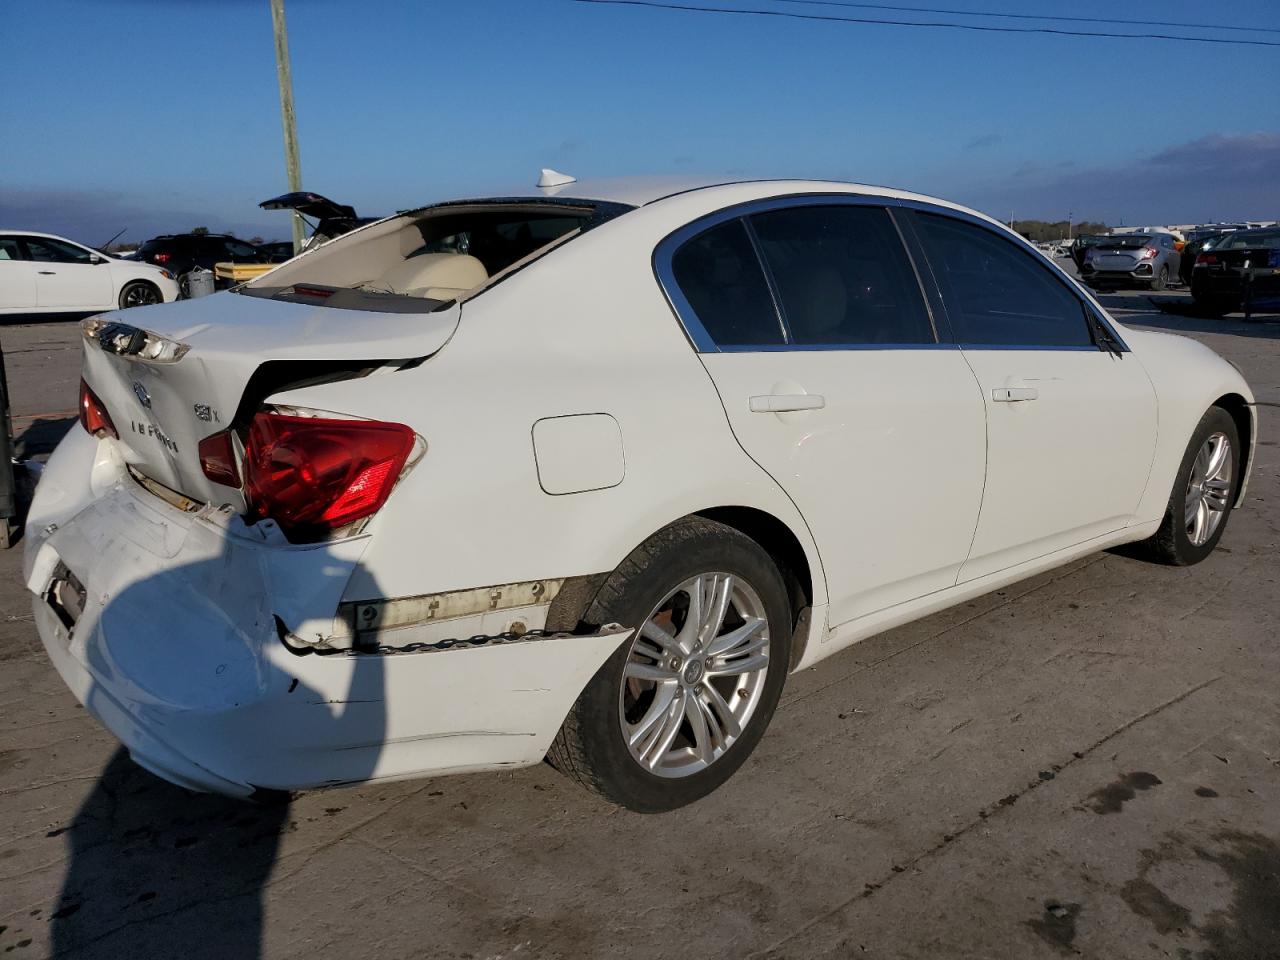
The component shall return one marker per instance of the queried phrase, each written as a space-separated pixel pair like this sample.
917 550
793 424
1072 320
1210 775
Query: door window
997 293
48 250
720 276
9 249
842 276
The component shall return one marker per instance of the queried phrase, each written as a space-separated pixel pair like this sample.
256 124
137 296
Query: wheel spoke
726 645
721 593
697 714
688 635
1215 492
721 711
672 718
1219 454
644 730
659 635
647 671
1199 525
737 667
1194 498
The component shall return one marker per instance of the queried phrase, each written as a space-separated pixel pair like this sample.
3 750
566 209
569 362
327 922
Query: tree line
1038 231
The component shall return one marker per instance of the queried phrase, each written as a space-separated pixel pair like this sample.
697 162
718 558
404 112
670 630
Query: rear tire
1203 494
650 732
1161 279
139 293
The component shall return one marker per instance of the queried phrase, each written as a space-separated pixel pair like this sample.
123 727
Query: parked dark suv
180 253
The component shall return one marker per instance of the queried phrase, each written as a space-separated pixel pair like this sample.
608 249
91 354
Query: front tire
679 707
1203 493
139 293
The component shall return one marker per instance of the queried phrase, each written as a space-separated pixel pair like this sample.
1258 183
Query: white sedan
42 273
585 474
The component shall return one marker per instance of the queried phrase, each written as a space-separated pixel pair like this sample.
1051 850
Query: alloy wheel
1208 489
140 295
694 675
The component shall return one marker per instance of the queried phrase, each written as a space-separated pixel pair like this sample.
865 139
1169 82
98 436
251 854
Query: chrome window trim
1072 284
702 341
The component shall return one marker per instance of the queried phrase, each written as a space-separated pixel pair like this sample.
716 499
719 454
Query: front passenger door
1071 427
69 277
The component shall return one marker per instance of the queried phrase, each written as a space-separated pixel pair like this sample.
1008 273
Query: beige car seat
438 276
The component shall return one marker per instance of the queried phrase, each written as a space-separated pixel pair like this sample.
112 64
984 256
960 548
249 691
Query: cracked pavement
1083 764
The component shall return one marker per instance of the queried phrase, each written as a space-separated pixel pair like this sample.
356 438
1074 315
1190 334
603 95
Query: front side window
48 250
720 276
997 293
842 276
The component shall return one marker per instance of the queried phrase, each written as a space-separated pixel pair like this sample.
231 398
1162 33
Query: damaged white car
585 474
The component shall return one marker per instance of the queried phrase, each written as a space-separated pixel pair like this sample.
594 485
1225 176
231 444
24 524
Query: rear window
426 258
1126 243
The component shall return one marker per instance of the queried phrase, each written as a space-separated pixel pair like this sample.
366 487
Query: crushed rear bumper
165 624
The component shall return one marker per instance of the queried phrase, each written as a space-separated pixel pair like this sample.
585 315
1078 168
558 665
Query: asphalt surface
1084 764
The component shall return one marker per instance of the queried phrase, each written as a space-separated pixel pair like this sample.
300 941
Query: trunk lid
240 349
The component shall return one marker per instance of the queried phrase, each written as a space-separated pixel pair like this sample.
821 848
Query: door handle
48 273
787 402
1014 394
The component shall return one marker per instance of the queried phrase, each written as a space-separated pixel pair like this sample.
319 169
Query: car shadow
156 870
1140 309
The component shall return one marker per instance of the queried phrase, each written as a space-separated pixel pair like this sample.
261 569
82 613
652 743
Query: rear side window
997 293
9 249
720 276
842 276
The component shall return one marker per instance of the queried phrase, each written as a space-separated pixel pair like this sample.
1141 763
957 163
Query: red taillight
314 475
93 415
1148 253
218 459
162 257
1206 258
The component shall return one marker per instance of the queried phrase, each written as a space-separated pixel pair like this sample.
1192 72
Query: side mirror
94 258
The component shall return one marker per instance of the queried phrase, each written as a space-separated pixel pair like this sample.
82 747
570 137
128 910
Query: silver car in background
1147 260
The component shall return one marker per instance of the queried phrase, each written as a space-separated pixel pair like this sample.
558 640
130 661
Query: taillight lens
162 257
218 458
93 415
1148 253
1206 258
314 475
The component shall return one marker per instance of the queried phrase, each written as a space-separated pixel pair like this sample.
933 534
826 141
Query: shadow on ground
142 849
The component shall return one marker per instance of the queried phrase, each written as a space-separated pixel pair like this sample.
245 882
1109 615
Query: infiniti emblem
140 392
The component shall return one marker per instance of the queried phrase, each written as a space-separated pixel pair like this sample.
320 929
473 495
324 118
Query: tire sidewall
722 550
1216 420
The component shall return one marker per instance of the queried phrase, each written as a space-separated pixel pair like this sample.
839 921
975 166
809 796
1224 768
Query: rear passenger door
1071 427
810 319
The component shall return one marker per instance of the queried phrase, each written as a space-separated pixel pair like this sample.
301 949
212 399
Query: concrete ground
1087 763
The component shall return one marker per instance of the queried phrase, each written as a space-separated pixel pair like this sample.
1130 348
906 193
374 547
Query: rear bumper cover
176 650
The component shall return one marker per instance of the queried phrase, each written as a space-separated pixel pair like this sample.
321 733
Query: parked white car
43 273
585 475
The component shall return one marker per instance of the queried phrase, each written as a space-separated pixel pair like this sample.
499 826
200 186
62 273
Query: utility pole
292 166
1070 215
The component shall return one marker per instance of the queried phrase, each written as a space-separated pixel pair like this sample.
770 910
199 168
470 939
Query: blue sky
162 114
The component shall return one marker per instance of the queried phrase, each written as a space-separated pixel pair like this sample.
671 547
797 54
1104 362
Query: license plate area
65 596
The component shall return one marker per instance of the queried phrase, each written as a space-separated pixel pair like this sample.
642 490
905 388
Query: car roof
640 191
